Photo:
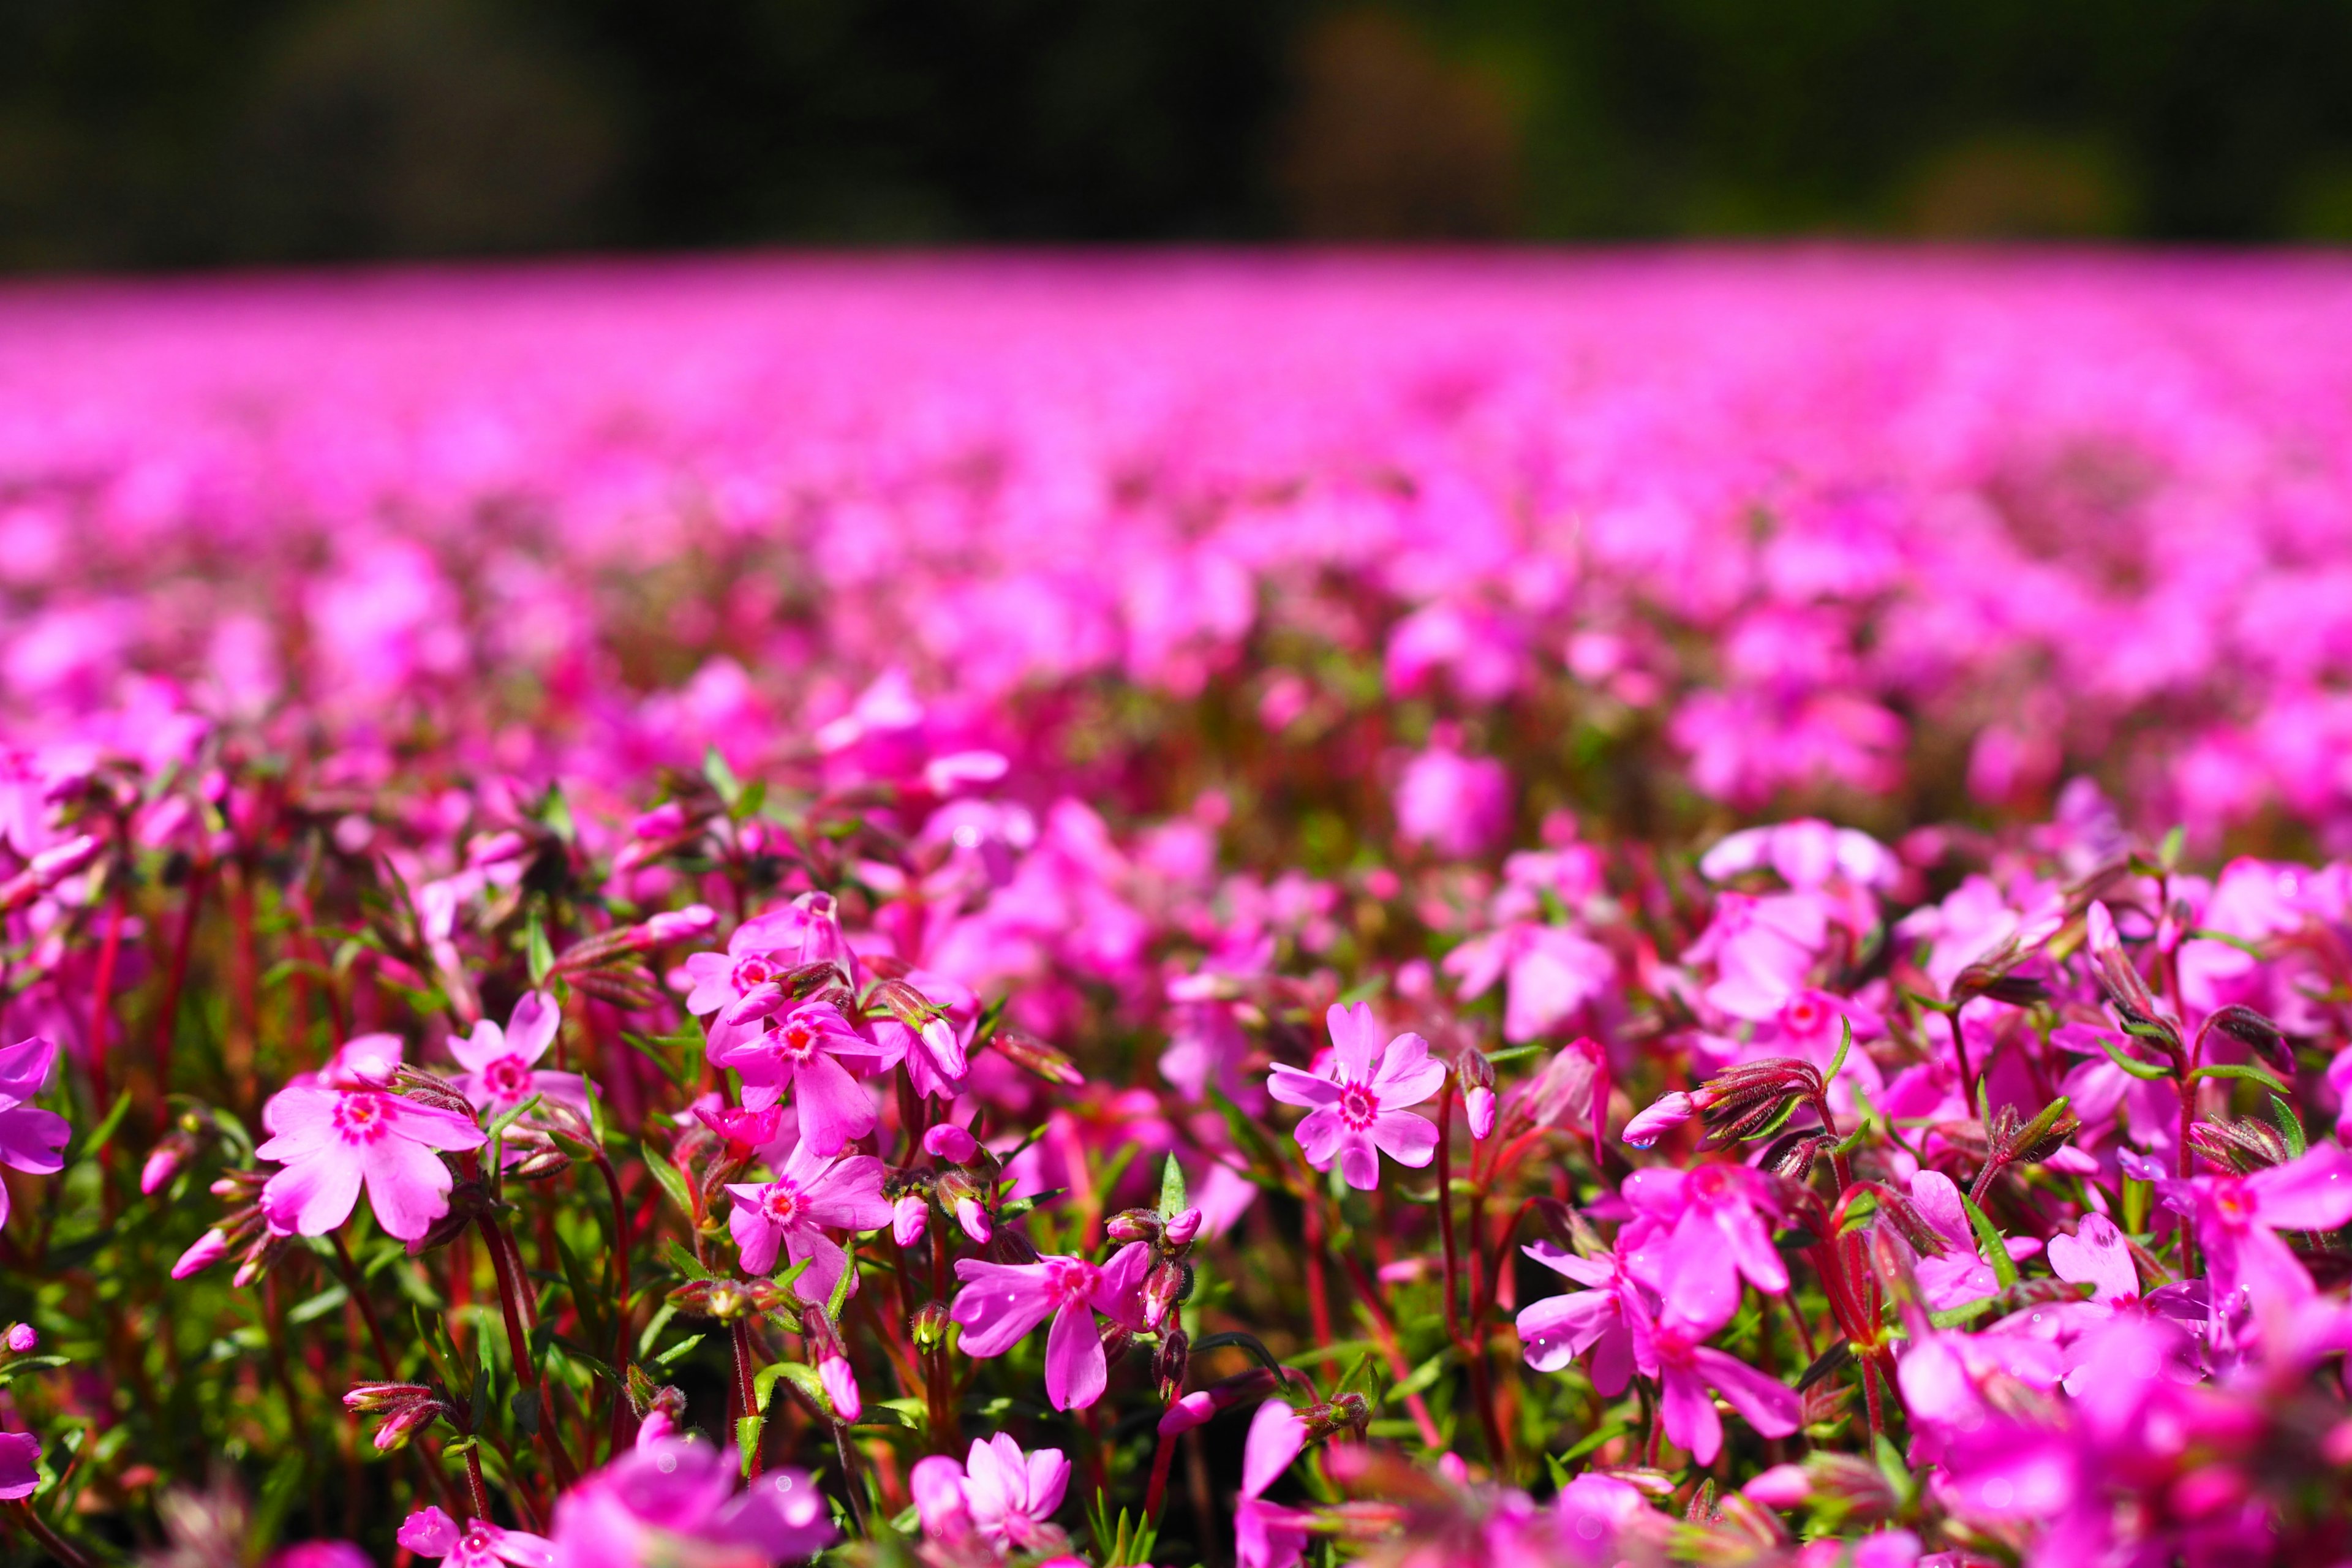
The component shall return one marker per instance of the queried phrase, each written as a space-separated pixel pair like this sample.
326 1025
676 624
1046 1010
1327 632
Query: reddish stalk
167 1023
510 1290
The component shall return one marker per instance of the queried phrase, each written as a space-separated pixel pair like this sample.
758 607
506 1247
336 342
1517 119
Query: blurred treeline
170 133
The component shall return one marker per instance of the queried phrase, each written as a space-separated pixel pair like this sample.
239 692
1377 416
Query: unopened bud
930 1325
1133 1224
164 1162
974 1220
208 1250
1039 1057
1782 1486
841 1388
1182 1228
689 924
1173 1361
1162 1288
366 1398
908 1218
949 1142
53 866
1195 1409
1664 1115
23 1338
1479 1106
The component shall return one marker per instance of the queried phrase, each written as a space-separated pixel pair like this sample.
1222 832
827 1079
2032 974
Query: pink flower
1685 1369
1960 1275
1553 971
810 1193
2096 1255
2238 1217
1600 1318
674 1501
31 1139
1696 1233
499 1074
331 1140
803 1051
1000 1302
1460 807
1011 1497
1267 1535
429 1532
1661 1116
20 1459
1359 1099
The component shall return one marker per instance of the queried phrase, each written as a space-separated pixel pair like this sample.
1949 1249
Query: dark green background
176 132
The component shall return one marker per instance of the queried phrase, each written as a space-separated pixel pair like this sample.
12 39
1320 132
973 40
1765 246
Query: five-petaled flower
1359 1099
810 1193
31 1139
1000 1302
332 1141
500 1071
803 1050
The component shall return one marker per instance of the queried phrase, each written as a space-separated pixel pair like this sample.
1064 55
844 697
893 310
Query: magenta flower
1011 1497
1359 1099
810 1193
499 1072
804 1051
2238 1220
429 1532
674 1501
1686 1369
761 949
1600 1318
1696 1233
31 1139
1265 1534
20 1460
331 1141
1960 1275
1000 1302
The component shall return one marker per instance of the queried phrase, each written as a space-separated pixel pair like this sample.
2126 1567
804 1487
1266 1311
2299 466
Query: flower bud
930 1325
1183 1227
164 1162
949 1142
974 1220
53 866
1664 1114
840 1380
1162 1288
1170 1365
207 1249
1195 1409
1024 1050
1479 1106
1782 1486
909 1216
369 1398
689 924
23 1338
1133 1224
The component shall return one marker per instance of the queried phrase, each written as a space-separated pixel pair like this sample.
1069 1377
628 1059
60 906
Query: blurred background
149 133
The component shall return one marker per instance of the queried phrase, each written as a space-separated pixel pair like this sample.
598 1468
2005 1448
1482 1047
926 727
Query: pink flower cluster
976 913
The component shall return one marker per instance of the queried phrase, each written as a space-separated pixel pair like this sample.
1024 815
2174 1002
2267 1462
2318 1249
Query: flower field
1663 908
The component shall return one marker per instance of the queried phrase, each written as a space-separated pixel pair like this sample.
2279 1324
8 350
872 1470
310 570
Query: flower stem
747 1398
510 1290
56 1545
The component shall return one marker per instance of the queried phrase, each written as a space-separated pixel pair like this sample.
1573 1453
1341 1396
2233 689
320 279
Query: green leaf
677 1352
684 1261
1363 990
1171 1189
722 777
673 1183
1990 1244
2247 1073
542 956
2289 1127
2148 1072
1845 1044
748 803
319 1305
23 1364
841 1286
556 812
103 1133
747 1440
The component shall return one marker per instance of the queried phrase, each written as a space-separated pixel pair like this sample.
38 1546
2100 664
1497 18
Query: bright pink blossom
331 1141
1599 1318
1359 1099
20 1457
809 1195
1267 1535
2238 1219
674 1501
500 1071
1000 1302
31 1139
1686 1369
429 1532
1009 1495
803 1052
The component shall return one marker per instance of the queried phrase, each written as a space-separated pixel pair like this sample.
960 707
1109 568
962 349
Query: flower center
361 1119
506 1078
1710 1185
1072 1279
781 1203
2234 1203
796 1037
752 973
1358 1106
